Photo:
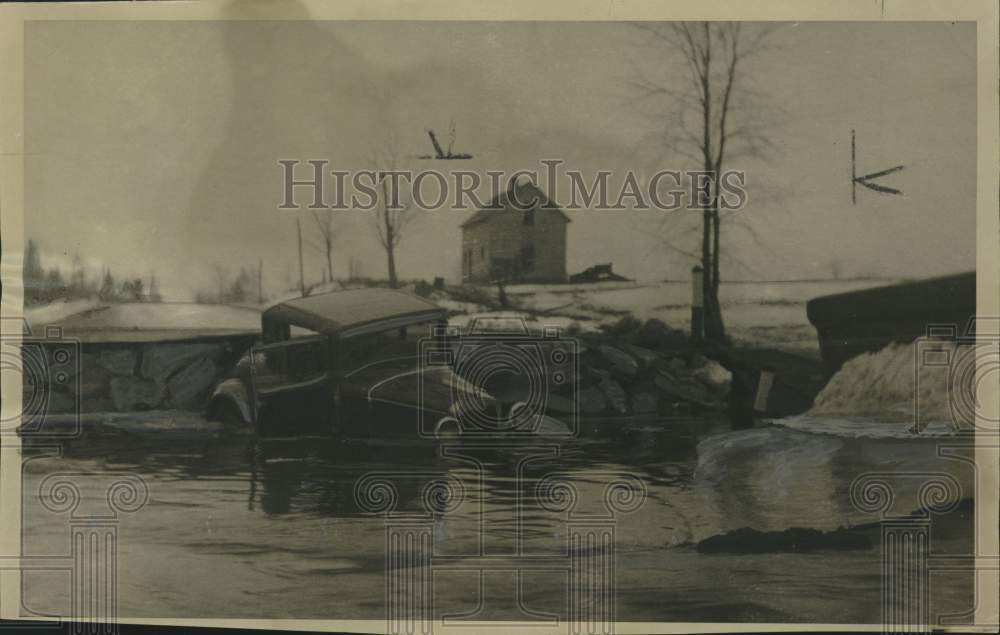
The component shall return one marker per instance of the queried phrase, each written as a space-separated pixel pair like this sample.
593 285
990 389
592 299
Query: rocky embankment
628 369
137 377
634 369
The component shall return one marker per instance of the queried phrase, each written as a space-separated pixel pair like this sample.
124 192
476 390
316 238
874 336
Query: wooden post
764 384
697 304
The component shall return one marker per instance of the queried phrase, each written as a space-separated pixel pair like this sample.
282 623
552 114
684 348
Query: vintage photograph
562 324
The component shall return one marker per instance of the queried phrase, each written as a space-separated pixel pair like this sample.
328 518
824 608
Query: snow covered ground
769 314
766 314
91 321
54 312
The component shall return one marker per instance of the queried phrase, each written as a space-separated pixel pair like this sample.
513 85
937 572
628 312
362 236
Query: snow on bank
887 384
883 394
510 321
760 314
796 473
773 478
765 314
863 427
38 317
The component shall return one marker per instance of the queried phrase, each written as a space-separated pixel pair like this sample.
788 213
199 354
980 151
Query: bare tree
324 224
108 291
230 288
221 281
392 213
708 117
353 269
154 290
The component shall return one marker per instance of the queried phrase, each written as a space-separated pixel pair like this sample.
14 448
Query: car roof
354 311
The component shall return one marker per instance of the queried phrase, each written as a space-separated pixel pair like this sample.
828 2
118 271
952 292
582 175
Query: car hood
405 382
431 388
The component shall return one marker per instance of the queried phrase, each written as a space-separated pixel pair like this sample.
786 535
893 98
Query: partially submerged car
348 362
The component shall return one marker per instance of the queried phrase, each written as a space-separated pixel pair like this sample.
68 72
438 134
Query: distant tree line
240 287
43 285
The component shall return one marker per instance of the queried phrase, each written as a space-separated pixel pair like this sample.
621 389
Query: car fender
231 391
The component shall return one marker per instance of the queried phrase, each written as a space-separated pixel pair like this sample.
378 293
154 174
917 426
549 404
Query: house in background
504 242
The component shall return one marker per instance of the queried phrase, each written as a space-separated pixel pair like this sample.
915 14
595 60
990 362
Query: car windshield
397 344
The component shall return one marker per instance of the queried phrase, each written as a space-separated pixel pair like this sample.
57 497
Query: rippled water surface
241 527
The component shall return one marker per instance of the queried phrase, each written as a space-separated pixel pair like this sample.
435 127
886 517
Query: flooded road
241 527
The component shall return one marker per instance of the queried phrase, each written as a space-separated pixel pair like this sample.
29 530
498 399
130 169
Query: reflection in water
243 527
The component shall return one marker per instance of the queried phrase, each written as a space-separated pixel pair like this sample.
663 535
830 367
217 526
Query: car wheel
448 428
229 415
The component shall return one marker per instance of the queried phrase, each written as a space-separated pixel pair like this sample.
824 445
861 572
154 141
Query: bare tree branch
392 213
707 115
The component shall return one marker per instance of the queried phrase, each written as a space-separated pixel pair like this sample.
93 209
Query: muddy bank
794 539
801 539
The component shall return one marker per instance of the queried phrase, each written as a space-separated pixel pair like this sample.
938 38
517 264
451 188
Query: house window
529 217
528 257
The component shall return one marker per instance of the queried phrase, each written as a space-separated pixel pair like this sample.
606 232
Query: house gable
502 204
503 241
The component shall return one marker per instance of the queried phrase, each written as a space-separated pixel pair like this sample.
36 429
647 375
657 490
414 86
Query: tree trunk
715 252
706 221
392 268
712 313
329 263
714 326
390 250
390 236
706 265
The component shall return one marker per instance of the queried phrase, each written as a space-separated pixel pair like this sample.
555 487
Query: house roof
348 312
501 204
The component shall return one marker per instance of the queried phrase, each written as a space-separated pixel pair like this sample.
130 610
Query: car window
278 331
385 345
288 363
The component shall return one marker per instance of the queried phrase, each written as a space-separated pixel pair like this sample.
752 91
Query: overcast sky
153 146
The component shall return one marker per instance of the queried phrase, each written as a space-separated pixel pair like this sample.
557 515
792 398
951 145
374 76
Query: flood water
241 527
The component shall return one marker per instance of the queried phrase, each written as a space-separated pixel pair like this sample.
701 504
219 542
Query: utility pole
302 278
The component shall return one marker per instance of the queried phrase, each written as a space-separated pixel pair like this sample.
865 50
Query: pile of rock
625 379
136 377
613 375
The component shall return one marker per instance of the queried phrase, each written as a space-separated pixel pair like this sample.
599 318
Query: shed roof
339 312
501 204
